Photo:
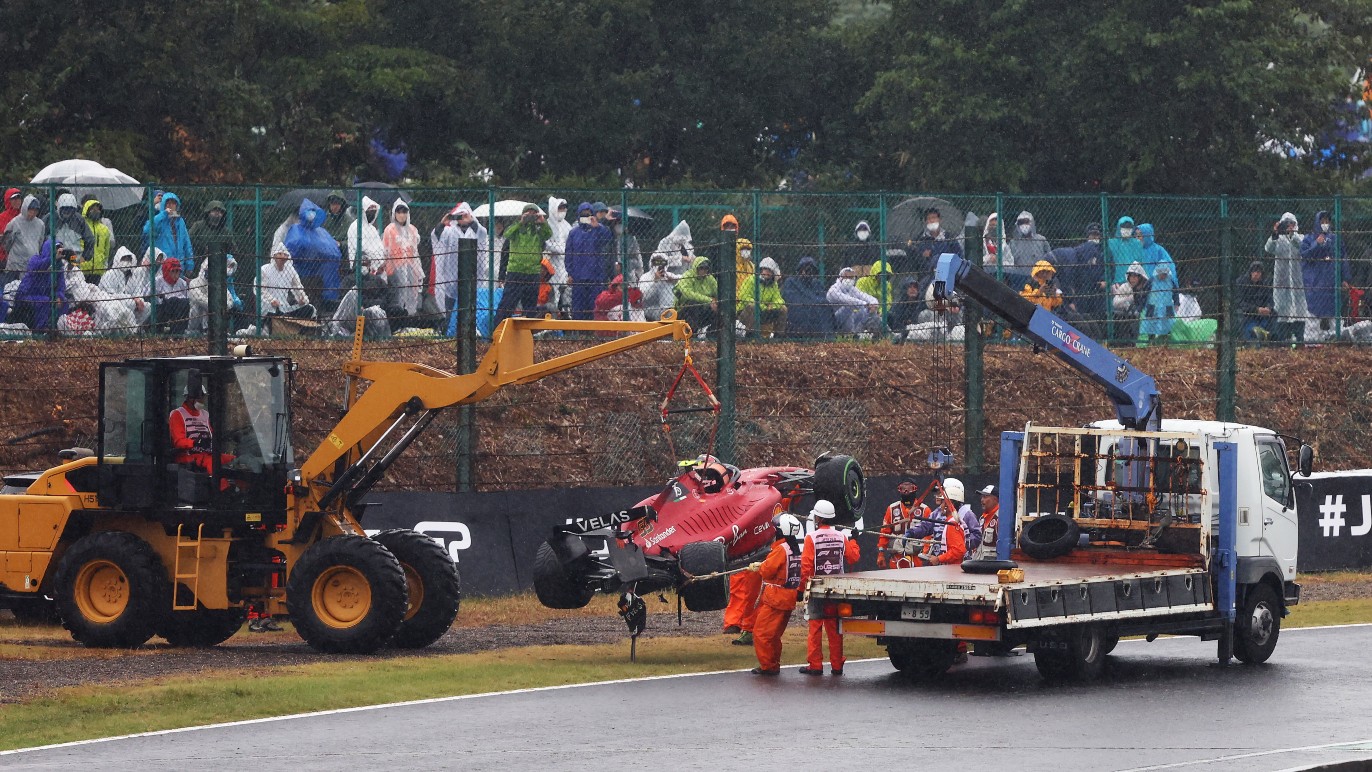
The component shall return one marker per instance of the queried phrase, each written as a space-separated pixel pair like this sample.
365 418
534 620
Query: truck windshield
257 429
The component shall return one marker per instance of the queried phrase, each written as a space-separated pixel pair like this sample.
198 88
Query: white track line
1253 755
435 700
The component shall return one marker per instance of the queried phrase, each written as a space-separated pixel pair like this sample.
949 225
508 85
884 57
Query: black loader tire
1049 536
434 587
1081 659
987 566
1257 625
554 587
347 595
201 628
697 559
111 590
839 481
922 659
34 611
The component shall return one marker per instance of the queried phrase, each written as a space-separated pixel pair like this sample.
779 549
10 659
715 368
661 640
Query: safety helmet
953 487
823 510
787 524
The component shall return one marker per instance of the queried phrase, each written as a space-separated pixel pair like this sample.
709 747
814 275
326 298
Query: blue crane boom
1138 405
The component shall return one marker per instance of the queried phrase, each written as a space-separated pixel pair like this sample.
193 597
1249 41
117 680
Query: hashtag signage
1335 515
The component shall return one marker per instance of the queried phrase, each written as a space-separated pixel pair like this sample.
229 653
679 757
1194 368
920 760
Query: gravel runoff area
73 665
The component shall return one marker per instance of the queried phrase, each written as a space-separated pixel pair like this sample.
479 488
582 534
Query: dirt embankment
598 424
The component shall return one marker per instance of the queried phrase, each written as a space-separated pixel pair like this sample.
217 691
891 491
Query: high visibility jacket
190 431
781 576
949 545
894 513
989 520
827 553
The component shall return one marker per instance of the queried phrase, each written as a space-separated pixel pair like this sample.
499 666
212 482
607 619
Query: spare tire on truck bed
1049 536
698 559
839 480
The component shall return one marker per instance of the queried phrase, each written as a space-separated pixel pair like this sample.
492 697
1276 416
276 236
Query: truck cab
239 483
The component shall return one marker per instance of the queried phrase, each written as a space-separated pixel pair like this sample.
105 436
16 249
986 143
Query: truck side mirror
1305 460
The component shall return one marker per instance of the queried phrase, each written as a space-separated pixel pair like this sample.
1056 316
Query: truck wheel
435 589
839 481
1083 659
1257 626
1108 643
552 584
347 595
111 590
34 611
1049 536
697 559
201 628
922 659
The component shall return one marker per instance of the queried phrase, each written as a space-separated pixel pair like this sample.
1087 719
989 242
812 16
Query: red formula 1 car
709 519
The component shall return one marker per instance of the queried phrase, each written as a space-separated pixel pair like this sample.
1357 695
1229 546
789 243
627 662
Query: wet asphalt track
1161 704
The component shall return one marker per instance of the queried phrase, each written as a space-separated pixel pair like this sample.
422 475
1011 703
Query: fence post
974 419
257 257
1107 232
217 327
624 236
1000 237
881 275
1338 252
153 267
1227 340
726 341
466 357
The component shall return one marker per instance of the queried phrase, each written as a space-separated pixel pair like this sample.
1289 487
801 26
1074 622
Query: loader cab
239 481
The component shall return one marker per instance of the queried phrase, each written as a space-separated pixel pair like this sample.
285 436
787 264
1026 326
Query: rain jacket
447 249
1030 249
111 312
1288 283
11 211
847 292
336 225
612 298
768 295
313 251
905 311
1162 277
744 266
1253 295
659 294
373 253
103 231
72 230
170 234
1122 253
807 313
282 286
871 284
125 278
994 250
677 248
403 269
863 252
23 238
926 247
692 289
43 286
556 248
214 241
1317 268
1048 297
589 248
524 247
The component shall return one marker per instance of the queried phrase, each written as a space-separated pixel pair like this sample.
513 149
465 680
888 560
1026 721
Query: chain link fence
825 283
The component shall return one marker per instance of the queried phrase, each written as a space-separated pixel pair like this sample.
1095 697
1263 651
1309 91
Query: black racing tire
839 480
433 584
922 659
987 566
1257 625
111 590
34 611
201 628
347 595
1049 536
554 587
697 559
1081 659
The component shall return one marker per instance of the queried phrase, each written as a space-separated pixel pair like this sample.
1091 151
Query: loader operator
191 436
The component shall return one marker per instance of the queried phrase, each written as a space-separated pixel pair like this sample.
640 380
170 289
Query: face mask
1324 226
847 281
216 218
932 227
768 279
1025 229
587 220
371 215
746 254
863 235
1093 240
1126 233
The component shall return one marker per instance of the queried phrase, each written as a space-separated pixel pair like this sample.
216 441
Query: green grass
103 710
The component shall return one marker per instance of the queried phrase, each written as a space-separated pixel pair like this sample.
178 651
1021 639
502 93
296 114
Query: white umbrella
507 208
84 177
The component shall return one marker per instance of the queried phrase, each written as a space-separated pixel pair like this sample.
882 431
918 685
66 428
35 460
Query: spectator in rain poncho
211 234
555 252
808 313
364 230
103 230
627 253
658 285
126 280
170 233
373 292
23 238
590 247
1288 283
403 271
1122 250
1321 250
677 248
1026 244
280 289
878 283
199 288
1130 300
1161 309
462 226
108 312
10 208
854 310
173 295
762 291
314 253
71 229
995 251
41 295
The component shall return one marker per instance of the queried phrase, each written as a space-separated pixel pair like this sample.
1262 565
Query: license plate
917 612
